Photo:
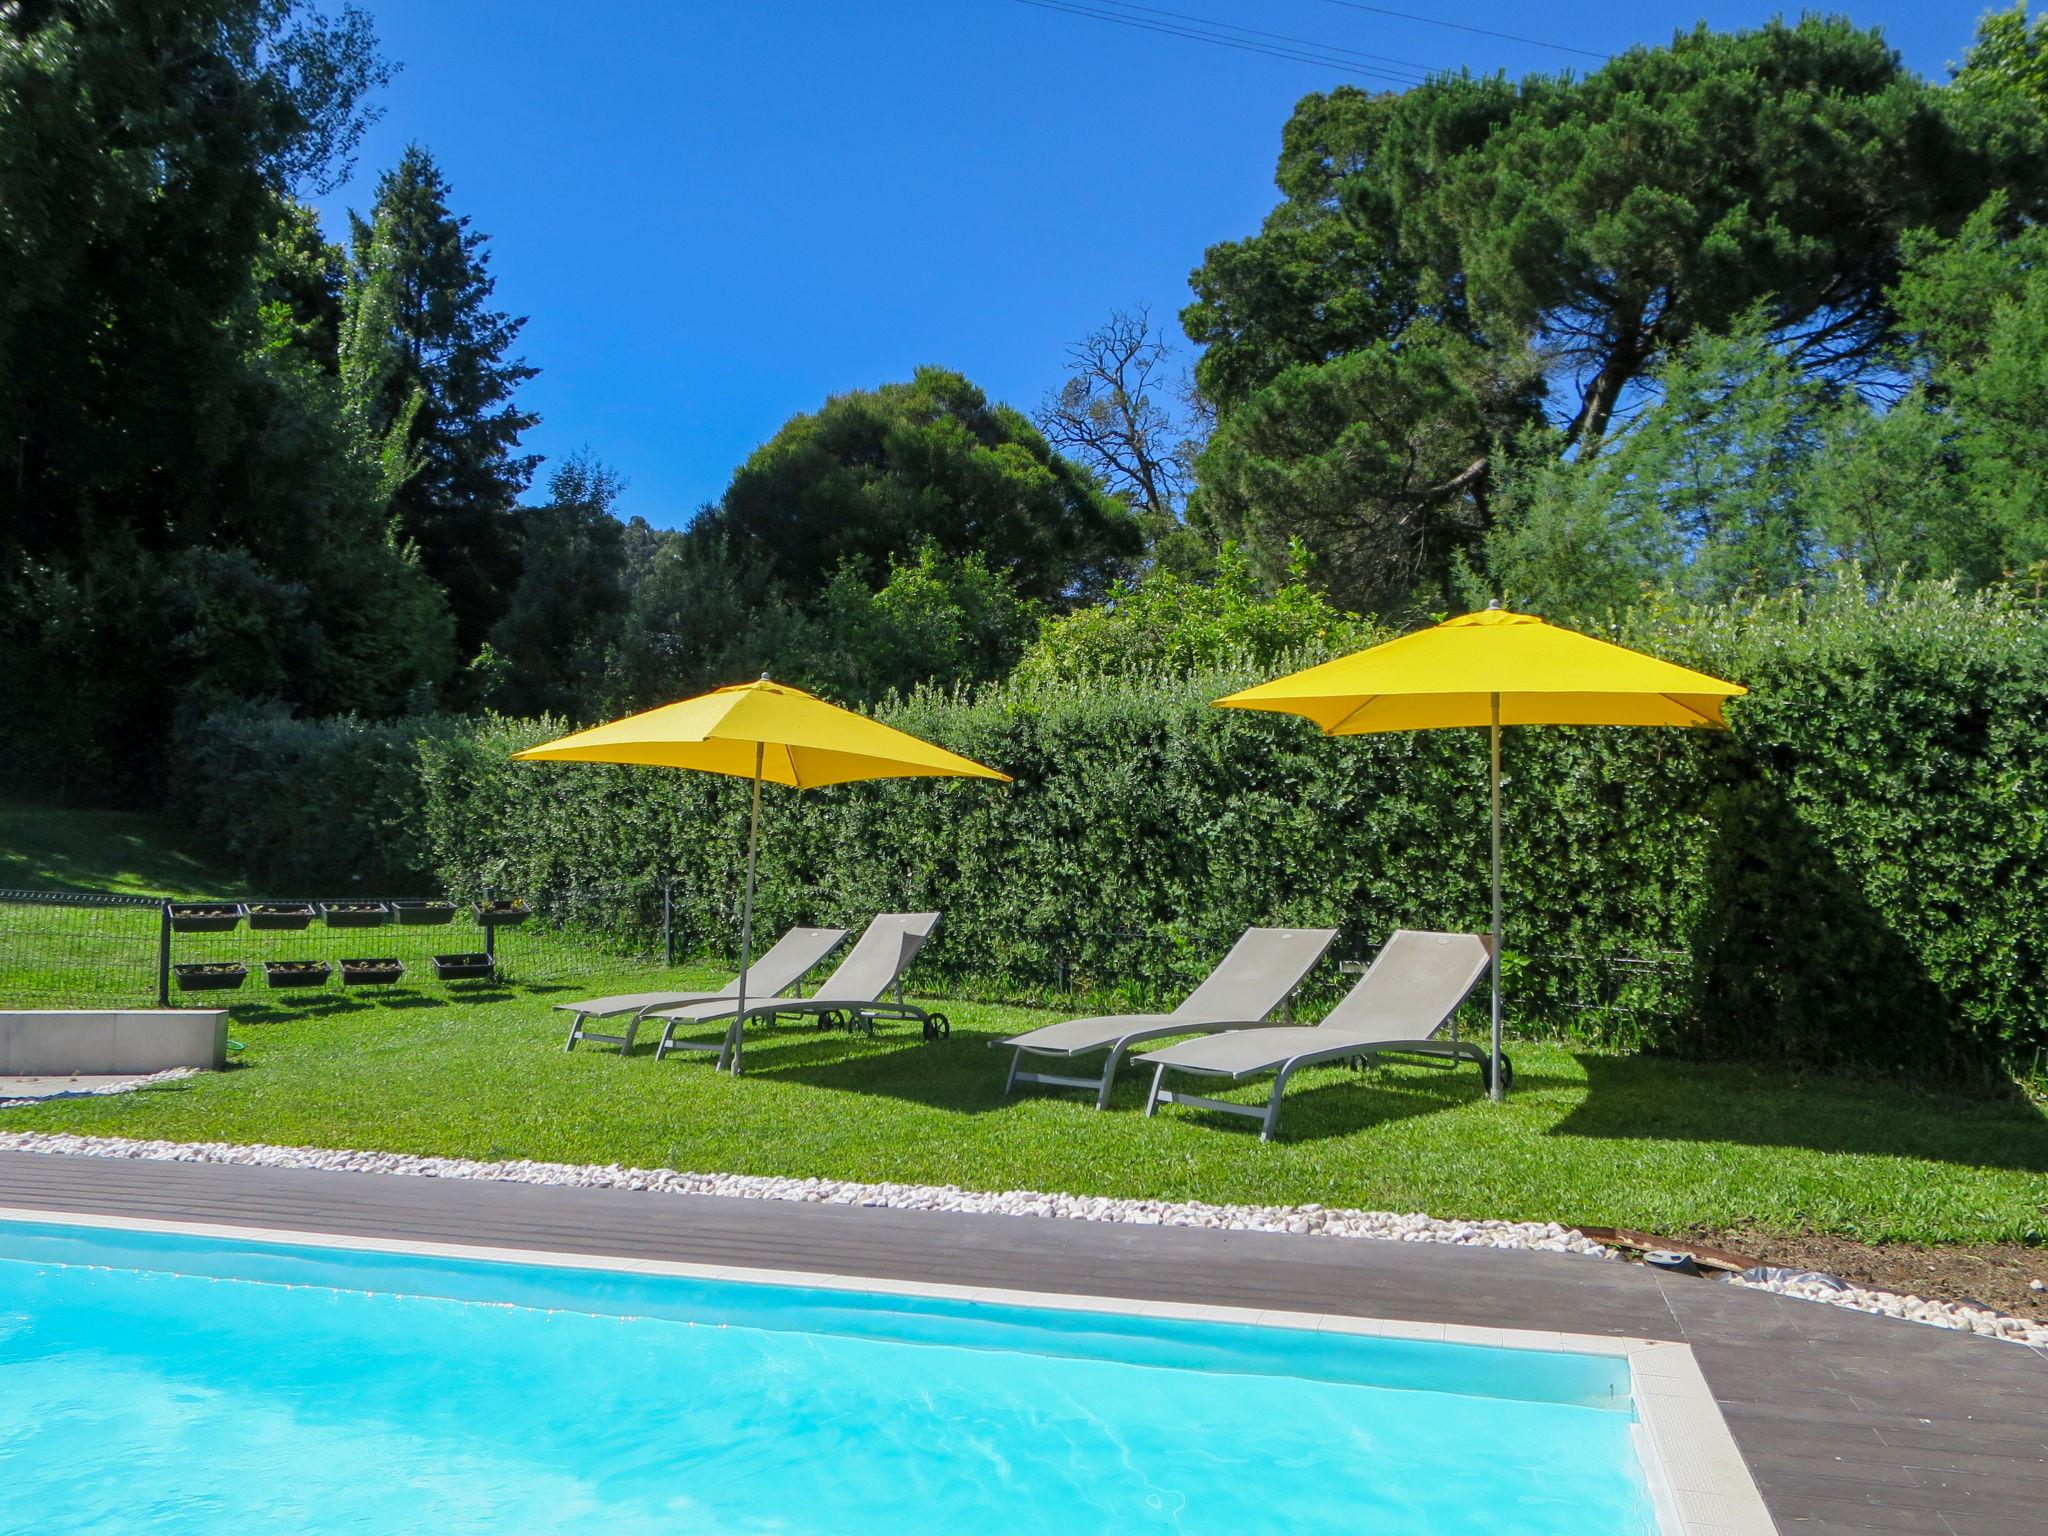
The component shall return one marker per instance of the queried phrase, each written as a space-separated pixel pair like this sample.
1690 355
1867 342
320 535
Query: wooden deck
1850 1423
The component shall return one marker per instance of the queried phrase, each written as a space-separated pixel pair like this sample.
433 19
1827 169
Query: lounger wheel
1507 1073
937 1027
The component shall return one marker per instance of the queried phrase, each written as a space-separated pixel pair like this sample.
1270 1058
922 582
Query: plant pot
354 914
209 976
297 973
463 967
204 916
423 914
289 915
502 914
379 972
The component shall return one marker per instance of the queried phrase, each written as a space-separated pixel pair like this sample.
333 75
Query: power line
1328 58
1459 26
1425 70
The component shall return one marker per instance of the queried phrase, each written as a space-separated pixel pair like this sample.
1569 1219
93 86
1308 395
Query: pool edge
1698 1482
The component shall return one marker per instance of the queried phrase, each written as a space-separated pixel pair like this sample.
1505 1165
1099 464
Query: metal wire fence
81 951
64 950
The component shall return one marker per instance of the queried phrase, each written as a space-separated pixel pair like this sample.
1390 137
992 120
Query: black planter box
204 916
290 915
371 973
297 973
423 914
209 976
502 914
463 967
354 914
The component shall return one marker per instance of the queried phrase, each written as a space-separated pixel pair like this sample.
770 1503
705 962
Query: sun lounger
1259 974
853 993
788 961
1399 1007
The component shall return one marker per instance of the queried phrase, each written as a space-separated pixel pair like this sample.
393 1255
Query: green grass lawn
1585 1137
45 848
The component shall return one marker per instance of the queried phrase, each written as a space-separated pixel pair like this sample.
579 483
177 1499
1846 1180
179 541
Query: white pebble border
1916 1309
1315 1220
126 1085
1546 1237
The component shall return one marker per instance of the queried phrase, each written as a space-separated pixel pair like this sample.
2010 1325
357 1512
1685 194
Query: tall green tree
1574 234
568 610
145 149
1708 493
2009 61
443 354
1953 479
875 476
190 512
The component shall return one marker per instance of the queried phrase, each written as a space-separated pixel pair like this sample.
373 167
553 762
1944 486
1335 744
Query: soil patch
1994 1275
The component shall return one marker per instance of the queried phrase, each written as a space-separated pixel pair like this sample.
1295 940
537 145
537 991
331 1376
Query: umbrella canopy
1493 668
767 732
781 734
1451 674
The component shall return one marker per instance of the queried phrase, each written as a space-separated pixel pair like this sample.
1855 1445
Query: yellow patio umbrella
1493 668
767 732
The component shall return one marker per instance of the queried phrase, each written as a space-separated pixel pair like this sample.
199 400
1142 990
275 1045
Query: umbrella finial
1493 606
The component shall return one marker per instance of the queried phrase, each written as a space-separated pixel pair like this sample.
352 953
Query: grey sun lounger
1259 974
791 958
854 990
1399 1006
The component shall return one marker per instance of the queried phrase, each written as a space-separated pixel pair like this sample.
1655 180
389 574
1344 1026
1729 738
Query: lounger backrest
880 955
789 960
1416 982
1262 968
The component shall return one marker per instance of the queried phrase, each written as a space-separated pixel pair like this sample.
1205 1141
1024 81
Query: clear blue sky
717 212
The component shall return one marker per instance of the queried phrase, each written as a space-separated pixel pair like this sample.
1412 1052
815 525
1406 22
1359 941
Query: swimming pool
180 1383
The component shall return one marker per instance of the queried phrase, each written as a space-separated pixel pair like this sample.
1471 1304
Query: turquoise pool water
181 1384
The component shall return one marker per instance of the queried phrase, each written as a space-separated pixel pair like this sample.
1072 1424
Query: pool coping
1698 1481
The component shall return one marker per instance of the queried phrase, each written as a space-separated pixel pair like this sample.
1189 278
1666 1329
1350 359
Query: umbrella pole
1497 1090
739 1017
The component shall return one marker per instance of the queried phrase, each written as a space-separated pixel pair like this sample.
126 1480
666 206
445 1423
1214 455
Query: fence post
163 955
491 930
668 921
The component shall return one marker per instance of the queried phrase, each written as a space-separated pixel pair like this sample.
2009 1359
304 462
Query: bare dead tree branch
1122 412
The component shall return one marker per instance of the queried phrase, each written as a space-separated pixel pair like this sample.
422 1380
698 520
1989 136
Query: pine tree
419 293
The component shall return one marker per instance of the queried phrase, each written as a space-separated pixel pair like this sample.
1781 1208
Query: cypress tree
426 273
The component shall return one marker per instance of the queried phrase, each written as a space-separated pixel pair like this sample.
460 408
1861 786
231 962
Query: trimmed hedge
309 807
1856 875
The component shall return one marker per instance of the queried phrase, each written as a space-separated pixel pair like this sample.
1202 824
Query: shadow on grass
316 1006
963 1076
957 1075
1656 1099
1343 1102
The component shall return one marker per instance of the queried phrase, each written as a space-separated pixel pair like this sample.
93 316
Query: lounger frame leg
1116 1056
1267 1114
623 1042
1100 1086
1270 1124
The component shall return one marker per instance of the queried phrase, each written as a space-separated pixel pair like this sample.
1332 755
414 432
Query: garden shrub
1854 875
308 807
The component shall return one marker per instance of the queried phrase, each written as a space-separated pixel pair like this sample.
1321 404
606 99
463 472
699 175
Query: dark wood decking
1850 1423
